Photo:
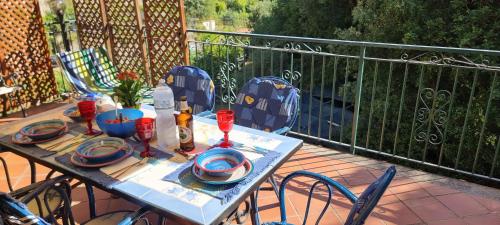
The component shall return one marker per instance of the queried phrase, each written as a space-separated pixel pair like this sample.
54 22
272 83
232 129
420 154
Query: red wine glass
88 111
145 128
225 120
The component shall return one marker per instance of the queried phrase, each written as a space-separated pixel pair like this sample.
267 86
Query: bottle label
185 135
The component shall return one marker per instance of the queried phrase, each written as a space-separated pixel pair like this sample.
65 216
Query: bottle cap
161 82
183 98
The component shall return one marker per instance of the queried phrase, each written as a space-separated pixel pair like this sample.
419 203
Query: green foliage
456 23
228 14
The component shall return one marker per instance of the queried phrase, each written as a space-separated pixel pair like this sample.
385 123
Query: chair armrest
282 130
131 218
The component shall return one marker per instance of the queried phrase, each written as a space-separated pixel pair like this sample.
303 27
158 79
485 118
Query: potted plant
128 91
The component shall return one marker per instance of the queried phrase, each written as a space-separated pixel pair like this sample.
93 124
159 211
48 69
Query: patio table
147 187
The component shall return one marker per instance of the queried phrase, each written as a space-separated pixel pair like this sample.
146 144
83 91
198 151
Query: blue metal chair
267 103
362 204
16 211
195 84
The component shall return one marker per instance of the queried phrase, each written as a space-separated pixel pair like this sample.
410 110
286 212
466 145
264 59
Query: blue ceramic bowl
121 130
102 150
74 114
43 130
219 162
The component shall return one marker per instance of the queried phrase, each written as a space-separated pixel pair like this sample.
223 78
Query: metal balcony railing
436 106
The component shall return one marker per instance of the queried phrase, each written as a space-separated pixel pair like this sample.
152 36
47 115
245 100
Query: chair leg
7 175
90 195
33 171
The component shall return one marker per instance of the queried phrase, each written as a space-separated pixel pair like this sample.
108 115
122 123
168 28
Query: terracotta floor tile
439 189
490 203
407 201
388 199
416 194
397 213
318 202
404 188
490 219
430 209
462 204
269 209
455 221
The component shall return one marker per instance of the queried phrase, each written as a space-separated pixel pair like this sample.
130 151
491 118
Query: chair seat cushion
112 218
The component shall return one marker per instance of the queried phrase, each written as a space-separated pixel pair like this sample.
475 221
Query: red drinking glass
88 111
225 120
145 128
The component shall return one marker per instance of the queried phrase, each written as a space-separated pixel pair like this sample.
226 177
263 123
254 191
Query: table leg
254 216
90 195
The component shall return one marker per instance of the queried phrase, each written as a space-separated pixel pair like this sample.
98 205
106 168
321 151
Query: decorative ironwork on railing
428 105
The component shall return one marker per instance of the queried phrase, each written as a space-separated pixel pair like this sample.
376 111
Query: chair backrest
362 205
15 212
369 198
267 103
106 72
78 66
195 84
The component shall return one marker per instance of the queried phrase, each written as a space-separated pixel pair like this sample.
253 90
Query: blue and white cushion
195 84
267 103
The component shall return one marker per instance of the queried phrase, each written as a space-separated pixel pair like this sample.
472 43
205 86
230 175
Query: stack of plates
40 132
221 166
100 152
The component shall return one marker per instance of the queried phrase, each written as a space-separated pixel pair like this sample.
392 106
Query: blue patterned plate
81 162
100 150
219 162
74 114
237 176
43 130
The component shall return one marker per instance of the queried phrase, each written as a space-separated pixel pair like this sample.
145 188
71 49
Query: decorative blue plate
78 161
219 162
101 150
74 114
237 176
43 130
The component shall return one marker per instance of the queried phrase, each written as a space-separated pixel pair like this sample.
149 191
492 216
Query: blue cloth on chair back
369 198
267 103
195 84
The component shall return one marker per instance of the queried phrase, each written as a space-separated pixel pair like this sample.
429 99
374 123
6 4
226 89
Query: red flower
127 75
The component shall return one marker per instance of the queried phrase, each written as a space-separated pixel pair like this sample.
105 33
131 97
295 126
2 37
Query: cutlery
55 145
63 149
121 172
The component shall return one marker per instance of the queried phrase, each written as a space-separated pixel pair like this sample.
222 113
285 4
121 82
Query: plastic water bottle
166 129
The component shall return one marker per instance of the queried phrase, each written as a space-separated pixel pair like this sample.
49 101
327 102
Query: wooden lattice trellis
90 23
166 32
25 50
150 50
